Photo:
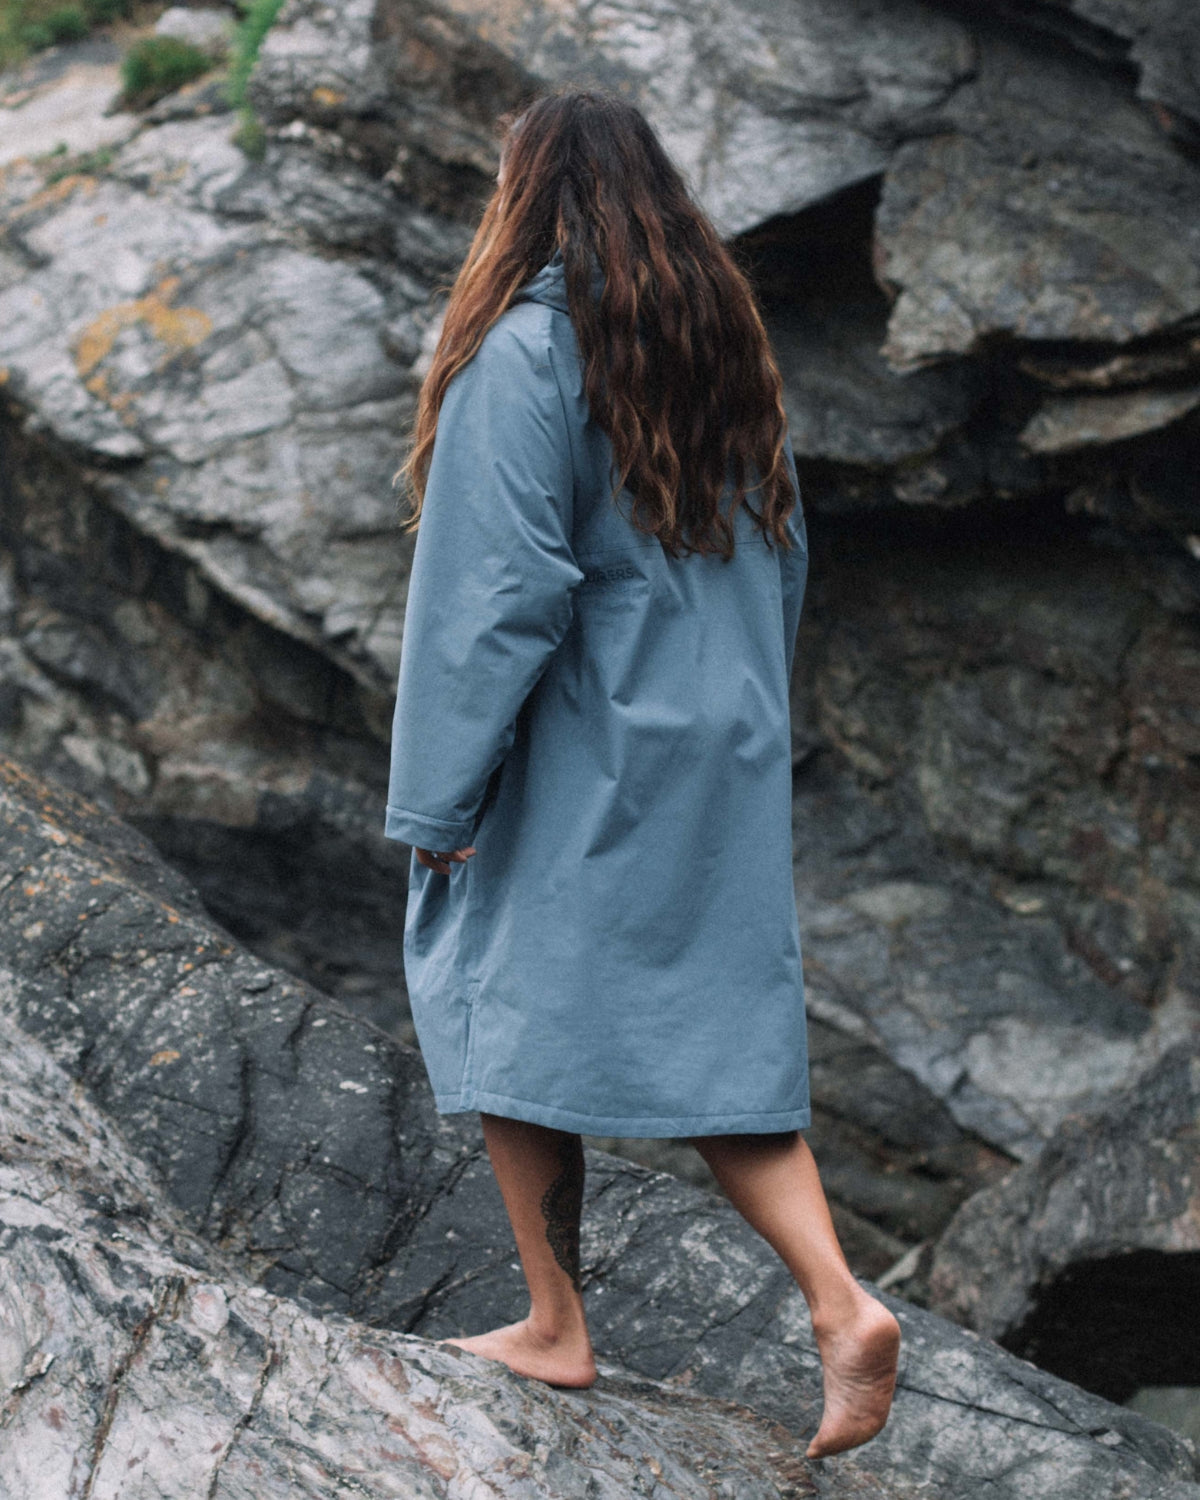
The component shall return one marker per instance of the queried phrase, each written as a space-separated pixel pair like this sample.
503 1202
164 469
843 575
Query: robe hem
646 1127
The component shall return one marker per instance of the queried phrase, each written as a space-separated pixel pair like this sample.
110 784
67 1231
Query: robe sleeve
793 565
490 593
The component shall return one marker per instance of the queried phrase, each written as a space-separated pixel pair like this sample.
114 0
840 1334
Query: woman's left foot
566 1360
859 1357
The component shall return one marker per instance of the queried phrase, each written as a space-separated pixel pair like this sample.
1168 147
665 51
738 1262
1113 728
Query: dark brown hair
678 369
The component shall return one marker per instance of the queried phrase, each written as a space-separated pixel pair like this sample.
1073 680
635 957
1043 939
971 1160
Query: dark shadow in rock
1119 1323
306 897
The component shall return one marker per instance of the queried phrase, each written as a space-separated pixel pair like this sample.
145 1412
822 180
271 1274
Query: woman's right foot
859 1356
566 1360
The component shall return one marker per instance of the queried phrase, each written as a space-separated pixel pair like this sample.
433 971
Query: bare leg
772 1181
540 1173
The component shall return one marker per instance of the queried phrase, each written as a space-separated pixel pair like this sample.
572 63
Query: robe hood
549 285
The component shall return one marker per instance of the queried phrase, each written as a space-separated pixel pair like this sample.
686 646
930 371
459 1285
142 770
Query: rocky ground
232 1219
955 217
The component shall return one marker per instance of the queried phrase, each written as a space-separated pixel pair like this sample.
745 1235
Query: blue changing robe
609 728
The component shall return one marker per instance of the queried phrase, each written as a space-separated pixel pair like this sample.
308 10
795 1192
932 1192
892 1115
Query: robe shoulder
524 334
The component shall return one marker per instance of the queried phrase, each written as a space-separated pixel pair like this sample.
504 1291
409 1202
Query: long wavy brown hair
679 371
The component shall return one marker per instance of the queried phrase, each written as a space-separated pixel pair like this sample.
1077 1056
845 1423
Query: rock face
1037 150
1158 37
767 111
954 218
300 1141
131 1352
999 887
1108 1220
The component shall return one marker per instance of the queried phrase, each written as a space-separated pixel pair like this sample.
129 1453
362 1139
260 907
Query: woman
591 745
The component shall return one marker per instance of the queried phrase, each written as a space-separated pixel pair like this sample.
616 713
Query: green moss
157 65
67 24
258 16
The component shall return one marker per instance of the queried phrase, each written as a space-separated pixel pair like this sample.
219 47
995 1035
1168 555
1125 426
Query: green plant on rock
258 16
31 25
158 65
59 163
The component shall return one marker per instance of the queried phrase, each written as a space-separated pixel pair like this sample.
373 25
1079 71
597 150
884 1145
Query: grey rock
208 29
1036 153
55 104
1065 424
132 1352
1104 1219
1161 38
305 1142
971 896
251 759
766 110
845 404
251 375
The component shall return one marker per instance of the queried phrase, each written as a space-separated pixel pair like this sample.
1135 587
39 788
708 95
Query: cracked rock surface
136 1358
297 1144
974 231
207 365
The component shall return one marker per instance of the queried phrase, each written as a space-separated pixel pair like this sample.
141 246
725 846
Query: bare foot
563 1361
858 1358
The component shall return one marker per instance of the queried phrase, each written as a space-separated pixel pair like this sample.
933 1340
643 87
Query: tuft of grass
251 134
67 23
59 163
258 16
32 25
158 65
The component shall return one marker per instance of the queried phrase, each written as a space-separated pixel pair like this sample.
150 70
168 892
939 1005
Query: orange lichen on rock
177 328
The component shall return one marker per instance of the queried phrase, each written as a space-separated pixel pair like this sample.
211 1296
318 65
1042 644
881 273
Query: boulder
998 731
1036 213
205 27
1158 37
57 106
136 1357
1087 1259
303 1143
767 111
234 386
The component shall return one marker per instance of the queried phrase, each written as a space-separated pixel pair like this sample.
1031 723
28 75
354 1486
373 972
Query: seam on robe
466 1083
629 1126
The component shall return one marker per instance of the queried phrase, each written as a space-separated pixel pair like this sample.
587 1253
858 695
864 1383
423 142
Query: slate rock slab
302 1142
1003 750
767 109
136 1360
1037 214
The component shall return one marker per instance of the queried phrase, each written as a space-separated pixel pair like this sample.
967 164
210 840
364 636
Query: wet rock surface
300 1144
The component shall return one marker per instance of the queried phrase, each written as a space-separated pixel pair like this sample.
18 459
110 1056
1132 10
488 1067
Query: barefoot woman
591 746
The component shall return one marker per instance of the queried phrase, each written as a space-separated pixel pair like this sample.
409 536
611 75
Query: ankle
838 1304
554 1326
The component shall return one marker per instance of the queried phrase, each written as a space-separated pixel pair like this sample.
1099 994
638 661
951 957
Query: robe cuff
426 833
